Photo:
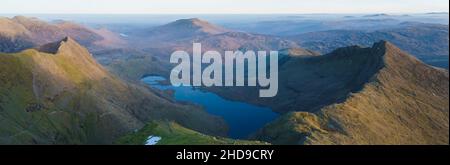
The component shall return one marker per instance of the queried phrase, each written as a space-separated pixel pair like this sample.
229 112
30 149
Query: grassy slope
19 122
48 98
175 134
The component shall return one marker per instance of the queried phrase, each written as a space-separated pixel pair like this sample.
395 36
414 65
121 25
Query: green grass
82 104
46 126
174 134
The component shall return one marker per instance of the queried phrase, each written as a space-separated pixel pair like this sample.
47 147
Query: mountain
184 29
294 26
20 33
429 42
377 15
180 35
382 95
417 39
58 94
438 13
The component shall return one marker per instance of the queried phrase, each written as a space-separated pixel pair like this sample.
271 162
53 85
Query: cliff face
403 102
58 94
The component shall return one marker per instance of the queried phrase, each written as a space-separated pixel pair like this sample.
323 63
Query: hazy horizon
221 7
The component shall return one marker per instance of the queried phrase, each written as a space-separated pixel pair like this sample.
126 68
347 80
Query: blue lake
242 118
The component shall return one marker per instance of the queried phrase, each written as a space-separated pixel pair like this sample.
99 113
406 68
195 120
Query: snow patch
152 140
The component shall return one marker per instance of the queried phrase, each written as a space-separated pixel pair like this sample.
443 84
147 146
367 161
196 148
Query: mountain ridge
68 98
404 102
429 42
20 33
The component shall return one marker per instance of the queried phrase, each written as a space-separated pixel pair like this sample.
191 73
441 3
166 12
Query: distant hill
439 13
426 41
417 39
377 15
59 94
289 27
180 35
382 96
184 29
20 33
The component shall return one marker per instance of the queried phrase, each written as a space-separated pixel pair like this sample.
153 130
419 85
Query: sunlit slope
63 96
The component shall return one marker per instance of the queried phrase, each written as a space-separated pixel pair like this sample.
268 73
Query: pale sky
220 6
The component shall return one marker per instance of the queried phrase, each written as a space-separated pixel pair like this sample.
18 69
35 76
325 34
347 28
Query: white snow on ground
152 140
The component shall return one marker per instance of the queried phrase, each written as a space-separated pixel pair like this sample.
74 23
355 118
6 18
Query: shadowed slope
404 102
308 82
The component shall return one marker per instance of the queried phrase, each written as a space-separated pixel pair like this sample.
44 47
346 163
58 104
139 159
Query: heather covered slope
403 102
65 97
